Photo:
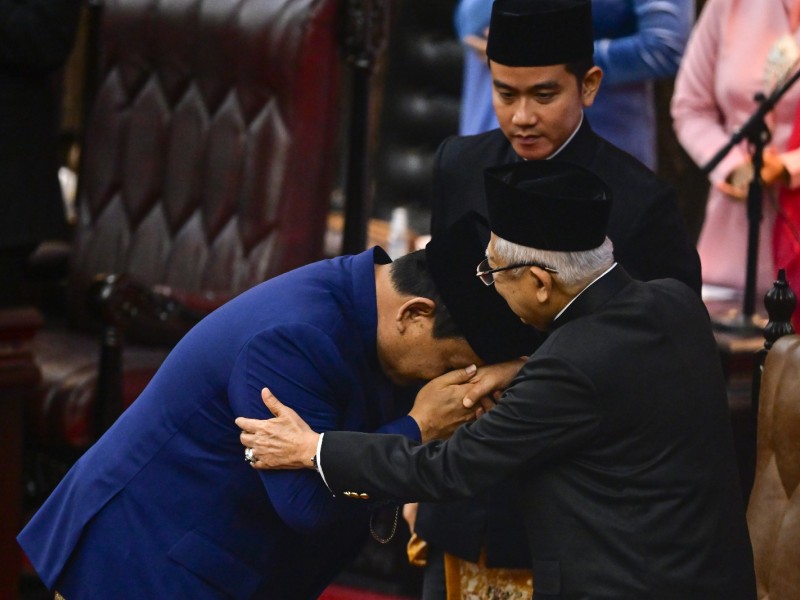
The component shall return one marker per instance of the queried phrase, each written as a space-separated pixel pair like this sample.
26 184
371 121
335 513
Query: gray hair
574 268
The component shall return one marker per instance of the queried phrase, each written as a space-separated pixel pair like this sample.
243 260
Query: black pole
91 77
358 203
759 138
367 22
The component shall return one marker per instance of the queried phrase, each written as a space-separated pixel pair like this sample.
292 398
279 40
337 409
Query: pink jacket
722 70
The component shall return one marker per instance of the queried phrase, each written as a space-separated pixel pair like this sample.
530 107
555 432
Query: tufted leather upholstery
207 163
207 167
773 513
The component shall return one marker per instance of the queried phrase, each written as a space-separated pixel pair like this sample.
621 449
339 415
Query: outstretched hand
284 442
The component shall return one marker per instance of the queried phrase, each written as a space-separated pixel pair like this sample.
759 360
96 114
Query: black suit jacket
650 238
650 241
617 430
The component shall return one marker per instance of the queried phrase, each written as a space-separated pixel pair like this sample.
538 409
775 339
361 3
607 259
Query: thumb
273 404
458 376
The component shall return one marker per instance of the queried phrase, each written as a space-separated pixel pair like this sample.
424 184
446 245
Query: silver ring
248 456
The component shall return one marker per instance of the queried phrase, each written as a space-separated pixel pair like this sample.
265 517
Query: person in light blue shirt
636 43
471 23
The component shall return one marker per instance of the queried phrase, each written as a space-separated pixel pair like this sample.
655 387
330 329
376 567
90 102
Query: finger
248 439
484 386
486 403
247 425
457 377
273 404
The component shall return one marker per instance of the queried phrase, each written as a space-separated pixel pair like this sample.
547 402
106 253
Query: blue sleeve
305 370
472 17
655 50
405 426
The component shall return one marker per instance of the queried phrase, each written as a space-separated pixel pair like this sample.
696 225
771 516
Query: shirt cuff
319 463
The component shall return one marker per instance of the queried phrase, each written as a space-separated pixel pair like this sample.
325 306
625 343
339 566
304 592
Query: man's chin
532 151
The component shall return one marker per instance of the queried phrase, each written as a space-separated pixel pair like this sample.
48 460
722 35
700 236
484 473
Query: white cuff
319 463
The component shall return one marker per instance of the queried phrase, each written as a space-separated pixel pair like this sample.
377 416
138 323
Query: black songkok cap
495 333
537 33
548 205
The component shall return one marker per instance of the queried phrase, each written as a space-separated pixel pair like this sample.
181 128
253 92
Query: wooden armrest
152 315
129 309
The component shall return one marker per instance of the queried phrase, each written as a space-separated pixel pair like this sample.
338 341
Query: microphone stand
757 133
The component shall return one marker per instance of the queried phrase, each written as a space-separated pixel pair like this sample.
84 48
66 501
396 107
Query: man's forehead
531 79
537 72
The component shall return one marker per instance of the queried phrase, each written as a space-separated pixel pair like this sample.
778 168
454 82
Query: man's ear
590 85
415 312
542 281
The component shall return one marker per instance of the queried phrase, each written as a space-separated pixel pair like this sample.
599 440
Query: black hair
411 276
579 68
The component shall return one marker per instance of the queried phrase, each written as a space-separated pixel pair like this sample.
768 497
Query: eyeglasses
486 275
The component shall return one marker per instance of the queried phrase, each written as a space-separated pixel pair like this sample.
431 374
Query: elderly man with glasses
616 429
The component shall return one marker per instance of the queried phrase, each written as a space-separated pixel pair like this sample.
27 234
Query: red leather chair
207 167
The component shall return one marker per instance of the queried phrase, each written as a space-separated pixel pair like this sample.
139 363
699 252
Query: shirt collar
569 139
584 289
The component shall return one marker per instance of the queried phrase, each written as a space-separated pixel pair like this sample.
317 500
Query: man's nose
525 114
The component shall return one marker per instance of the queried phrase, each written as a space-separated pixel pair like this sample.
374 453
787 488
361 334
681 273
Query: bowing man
164 505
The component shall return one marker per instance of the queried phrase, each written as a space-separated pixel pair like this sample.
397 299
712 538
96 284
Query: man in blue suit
164 506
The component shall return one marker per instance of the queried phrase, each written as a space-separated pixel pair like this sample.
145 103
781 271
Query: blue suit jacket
164 504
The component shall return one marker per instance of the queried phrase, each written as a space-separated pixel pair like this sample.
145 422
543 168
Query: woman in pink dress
739 48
